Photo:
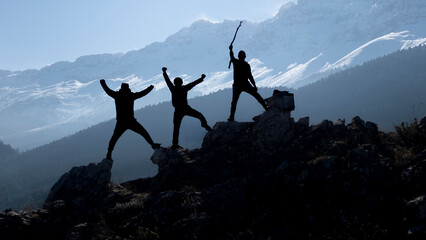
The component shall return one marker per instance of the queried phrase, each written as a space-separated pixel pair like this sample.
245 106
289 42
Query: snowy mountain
372 91
304 42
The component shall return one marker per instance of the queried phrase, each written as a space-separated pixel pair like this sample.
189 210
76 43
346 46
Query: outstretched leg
138 128
252 91
177 120
196 114
118 131
236 91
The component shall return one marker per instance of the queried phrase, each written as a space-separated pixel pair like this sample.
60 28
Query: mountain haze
388 90
301 44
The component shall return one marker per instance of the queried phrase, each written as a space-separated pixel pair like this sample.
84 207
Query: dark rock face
82 186
273 127
272 178
77 199
281 100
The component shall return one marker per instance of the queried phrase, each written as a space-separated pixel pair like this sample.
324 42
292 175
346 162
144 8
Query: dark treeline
387 91
7 153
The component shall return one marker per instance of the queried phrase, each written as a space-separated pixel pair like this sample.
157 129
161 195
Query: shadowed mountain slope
387 90
272 178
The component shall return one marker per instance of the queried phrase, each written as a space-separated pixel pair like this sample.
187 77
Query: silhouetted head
125 87
242 55
178 81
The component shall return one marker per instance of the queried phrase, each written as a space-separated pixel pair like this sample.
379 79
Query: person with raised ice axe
242 76
180 102
124 102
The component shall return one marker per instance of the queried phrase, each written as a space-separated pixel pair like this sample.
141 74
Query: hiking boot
265 106
231 119
155 145
206 126
175 146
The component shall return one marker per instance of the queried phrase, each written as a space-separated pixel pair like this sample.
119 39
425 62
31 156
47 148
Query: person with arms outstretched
124 104
180 102
242 76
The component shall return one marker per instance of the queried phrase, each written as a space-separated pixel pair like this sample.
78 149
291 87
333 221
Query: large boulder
226 136
274 127
82 187
282 100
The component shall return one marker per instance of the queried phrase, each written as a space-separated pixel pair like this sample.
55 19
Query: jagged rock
371 128
416 217
302 125
227 135
323 125
282 100
356 123
165 157
361 131
303 122
423 123
339 122
273 128
339 128
175 168
268 179
82 187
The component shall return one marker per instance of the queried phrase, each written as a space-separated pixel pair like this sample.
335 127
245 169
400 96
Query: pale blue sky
36 33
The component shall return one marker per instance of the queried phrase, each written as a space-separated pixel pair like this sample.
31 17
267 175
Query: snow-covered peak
305 41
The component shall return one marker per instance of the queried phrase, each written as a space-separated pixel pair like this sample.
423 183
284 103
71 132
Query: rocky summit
273 178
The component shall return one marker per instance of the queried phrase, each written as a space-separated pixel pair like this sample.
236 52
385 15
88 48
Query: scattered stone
304 122
356 123
324 125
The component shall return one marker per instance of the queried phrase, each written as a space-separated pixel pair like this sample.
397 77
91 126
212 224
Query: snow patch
216 81
292 76
292 65
413 43
347 60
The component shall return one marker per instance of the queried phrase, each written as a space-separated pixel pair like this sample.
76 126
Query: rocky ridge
273 178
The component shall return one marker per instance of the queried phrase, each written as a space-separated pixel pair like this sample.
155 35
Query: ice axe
235 35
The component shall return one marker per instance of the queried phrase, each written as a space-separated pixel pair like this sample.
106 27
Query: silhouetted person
180 102
124 101
242 75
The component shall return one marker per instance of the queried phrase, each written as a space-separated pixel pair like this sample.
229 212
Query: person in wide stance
180 102
242 76
124 102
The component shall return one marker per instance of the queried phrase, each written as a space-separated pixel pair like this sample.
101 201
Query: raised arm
144 92
108 91
231 53
167 79
191 85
